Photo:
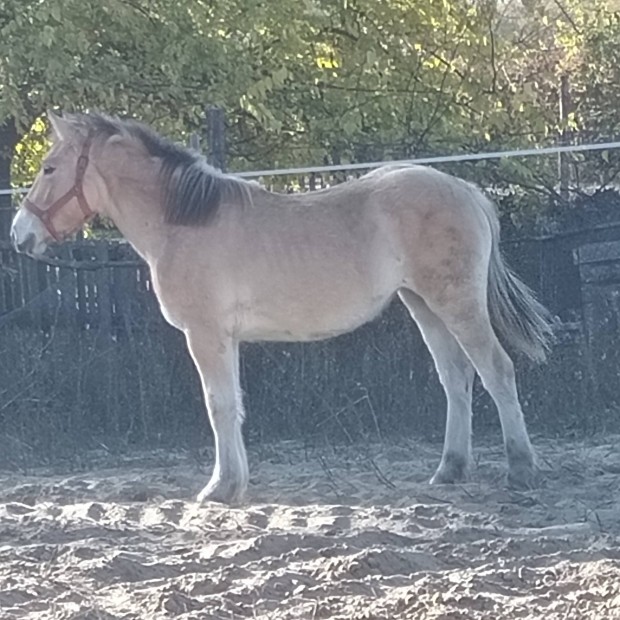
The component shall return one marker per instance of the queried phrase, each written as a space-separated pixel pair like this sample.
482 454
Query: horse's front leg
217 360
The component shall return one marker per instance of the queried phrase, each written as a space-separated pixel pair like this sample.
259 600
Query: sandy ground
348 533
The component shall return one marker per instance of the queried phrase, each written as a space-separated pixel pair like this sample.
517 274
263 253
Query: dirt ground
350 533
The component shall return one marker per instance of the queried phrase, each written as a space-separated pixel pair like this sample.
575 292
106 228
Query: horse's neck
141 222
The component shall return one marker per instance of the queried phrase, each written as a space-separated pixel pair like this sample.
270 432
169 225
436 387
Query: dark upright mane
192 190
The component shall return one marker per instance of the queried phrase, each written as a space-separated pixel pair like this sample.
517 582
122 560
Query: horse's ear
60 126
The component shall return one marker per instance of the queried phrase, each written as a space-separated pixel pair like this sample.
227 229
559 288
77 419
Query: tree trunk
8 141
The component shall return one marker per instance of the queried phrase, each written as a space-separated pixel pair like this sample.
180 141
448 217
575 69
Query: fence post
104 288
216 137
8 140
564 158
194 141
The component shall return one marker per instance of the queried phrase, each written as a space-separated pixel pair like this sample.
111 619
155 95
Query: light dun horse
232 262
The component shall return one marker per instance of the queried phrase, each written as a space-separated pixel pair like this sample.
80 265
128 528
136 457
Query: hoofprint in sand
325 533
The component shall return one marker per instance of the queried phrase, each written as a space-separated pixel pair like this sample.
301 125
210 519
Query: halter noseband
77 191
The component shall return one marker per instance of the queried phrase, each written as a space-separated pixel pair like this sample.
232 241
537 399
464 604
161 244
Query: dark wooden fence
86 285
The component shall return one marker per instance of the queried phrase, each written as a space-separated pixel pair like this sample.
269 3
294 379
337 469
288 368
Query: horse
233 262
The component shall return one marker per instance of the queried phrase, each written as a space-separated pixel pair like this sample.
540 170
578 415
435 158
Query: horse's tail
517 316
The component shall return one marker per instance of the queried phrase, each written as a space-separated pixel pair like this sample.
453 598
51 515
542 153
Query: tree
77 54
314 81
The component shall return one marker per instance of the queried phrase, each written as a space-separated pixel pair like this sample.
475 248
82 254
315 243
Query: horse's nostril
26 245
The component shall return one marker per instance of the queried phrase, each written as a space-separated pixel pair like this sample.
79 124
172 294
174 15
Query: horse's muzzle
25 245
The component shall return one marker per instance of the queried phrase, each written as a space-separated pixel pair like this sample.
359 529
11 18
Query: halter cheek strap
77 191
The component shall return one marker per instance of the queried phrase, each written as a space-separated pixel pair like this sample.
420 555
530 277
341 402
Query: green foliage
321 81
29 153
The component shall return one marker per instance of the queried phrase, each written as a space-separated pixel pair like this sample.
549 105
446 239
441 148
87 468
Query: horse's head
57 204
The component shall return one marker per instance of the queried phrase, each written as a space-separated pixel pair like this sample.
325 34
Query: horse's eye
48 169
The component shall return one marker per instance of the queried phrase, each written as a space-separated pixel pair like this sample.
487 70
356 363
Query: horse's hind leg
468 320
456 374
217 360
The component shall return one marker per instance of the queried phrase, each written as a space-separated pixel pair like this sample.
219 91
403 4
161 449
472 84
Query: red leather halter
77 191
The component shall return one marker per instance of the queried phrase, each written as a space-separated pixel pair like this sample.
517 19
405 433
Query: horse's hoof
453 469
221 493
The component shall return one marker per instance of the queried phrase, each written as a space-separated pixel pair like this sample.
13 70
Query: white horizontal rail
441 159
10 192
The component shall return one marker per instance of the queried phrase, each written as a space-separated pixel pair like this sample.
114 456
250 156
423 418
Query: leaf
371 57
47 36
280 76
55 12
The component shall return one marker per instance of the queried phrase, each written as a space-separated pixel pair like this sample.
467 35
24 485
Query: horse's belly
313 320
